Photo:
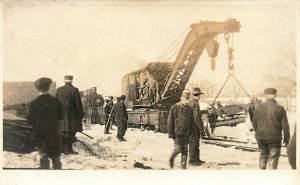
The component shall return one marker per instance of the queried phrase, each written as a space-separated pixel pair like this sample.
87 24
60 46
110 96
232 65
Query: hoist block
212 48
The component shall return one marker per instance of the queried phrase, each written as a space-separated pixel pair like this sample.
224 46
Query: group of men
185 127
269 120
118 113
55 120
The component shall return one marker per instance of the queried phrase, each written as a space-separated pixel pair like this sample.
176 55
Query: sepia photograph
135 89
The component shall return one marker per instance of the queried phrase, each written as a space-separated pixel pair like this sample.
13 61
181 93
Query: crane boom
189 54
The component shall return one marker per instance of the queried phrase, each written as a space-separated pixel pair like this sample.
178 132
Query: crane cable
230 68
177 46
171 47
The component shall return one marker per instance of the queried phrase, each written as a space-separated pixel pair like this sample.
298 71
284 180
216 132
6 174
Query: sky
98 42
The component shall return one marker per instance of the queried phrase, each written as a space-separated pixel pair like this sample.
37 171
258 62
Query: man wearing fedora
269 120
44 115
194 151
73 114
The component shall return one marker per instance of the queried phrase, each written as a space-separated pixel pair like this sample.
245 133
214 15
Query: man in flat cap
44 115
73 114
121 117
181 124
269 120
194 152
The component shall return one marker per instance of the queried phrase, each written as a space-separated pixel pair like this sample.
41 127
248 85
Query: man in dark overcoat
44 115
107 112
112 116
269 120
121 117
194 151
181 124
73 114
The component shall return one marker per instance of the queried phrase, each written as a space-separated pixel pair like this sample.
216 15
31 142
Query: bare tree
285 79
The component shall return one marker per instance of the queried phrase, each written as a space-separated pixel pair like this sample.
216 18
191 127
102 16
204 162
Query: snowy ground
148 150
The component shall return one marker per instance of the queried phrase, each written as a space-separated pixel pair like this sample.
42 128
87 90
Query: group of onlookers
269 121
56 120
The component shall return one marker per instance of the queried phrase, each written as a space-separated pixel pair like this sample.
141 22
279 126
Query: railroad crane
152 90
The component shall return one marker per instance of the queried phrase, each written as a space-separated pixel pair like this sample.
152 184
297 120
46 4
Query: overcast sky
99 42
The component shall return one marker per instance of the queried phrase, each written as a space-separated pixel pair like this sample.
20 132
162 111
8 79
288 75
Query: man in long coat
44 115
194 151
107 112
269 121
121 118
73 114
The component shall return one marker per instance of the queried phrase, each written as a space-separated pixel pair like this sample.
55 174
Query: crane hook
227 37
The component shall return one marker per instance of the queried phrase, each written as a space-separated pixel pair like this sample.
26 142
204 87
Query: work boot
195 163
171 162
200 161
44 161
183 162
56 163
69 150
122 140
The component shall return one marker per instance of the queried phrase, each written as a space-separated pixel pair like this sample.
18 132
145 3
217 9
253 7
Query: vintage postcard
149 92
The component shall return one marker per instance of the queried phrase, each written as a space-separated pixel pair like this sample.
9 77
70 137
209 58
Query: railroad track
228 142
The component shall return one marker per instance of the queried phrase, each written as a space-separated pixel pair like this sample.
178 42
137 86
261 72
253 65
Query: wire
172 56
167 50
178 46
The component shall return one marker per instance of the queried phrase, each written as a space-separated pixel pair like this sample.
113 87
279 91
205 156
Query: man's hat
197 91
68 78
270 90
123 97
43 84
186 93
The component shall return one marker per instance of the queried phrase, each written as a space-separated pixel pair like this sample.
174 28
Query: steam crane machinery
152 90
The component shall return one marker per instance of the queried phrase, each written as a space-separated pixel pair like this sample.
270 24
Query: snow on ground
148 150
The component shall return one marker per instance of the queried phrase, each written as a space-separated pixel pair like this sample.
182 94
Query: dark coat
181 120
120 112
44 115
72 108
194 104
269 120
291 150
106 111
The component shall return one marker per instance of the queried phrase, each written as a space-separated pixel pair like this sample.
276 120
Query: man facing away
194 151
180 126
44 115
269 120
121 117
73 114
